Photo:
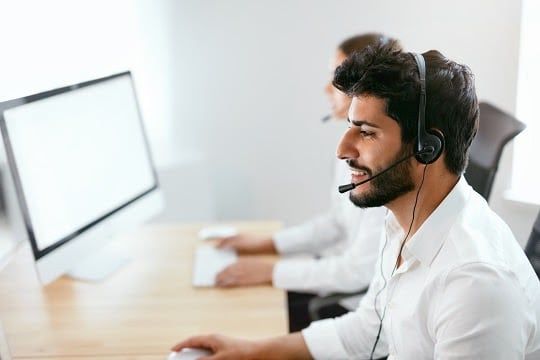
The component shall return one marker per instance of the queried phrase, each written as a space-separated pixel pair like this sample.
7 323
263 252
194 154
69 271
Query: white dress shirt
465 290
346 238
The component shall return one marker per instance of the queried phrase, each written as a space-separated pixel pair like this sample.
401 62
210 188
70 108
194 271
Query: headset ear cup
433 138
430 143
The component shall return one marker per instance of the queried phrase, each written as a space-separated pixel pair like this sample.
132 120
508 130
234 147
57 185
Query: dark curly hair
390 74
359 42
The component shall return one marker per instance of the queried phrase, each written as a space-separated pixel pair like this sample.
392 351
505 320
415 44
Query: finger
222 242
227 271
220 277
215 356
223 278
200 341
225 282
228 243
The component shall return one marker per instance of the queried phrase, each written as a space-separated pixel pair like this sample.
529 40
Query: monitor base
98 267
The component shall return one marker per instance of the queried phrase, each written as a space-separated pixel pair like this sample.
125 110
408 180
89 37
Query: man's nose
346 148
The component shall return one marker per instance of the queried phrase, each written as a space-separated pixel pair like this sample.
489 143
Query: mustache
354 165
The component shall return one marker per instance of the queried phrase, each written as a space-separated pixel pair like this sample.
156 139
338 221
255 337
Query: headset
429 143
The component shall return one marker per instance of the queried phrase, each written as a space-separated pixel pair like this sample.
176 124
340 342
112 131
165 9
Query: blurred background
232 91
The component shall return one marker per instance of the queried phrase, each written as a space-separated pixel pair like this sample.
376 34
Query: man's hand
248 244
291 346
224 348
246 272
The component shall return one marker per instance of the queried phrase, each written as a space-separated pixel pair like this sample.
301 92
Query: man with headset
451 281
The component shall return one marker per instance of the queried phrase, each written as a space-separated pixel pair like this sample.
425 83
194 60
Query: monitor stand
8 242
98 266
5 354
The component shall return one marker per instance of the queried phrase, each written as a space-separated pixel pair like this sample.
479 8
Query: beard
387 187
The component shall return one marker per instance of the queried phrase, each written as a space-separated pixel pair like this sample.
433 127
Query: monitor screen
79 158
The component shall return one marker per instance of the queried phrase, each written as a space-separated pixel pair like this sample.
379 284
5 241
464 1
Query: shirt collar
429 238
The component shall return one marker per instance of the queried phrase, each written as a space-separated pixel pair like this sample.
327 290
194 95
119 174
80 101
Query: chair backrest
532 249
495 130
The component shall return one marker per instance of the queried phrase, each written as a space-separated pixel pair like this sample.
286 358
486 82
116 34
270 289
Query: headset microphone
326 118
344 188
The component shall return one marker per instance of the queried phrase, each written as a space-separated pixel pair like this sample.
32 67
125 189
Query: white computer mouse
213 232
189 354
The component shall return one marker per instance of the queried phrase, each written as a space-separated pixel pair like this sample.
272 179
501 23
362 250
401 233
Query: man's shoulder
481 245
478 234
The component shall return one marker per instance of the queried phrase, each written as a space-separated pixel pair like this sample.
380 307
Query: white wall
48 44
232 90
247 78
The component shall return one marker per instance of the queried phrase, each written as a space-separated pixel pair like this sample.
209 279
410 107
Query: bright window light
526 175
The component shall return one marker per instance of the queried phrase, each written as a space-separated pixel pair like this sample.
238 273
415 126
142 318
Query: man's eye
366 133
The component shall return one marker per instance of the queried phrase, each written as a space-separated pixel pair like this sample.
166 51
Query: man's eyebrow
361 122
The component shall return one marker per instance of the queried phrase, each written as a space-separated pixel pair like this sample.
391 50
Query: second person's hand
246 272
248 244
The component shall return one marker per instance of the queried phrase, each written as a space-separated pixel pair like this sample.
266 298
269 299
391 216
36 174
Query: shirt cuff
322 340
290 240
279 276
289 274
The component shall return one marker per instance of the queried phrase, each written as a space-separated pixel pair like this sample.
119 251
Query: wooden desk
140 311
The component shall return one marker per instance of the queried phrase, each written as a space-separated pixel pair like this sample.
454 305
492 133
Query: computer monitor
82 171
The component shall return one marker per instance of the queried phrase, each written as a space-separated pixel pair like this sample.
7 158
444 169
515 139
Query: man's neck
437 185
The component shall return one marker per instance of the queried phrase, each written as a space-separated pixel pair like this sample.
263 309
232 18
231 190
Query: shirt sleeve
349 271
328 274
482 313
312 236
322 340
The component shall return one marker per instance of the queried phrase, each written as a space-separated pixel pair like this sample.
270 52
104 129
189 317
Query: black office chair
495 130
321 307
532 249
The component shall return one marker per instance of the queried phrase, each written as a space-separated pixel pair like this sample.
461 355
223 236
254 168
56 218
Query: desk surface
137 313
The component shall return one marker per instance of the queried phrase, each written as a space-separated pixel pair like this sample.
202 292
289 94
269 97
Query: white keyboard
208 262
